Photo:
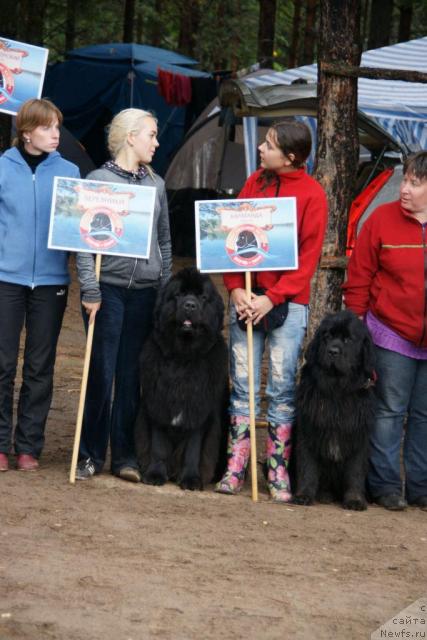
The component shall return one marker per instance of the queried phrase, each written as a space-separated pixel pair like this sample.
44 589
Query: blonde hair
126 122
35 113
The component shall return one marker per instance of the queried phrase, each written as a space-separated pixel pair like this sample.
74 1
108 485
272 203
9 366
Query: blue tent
94 83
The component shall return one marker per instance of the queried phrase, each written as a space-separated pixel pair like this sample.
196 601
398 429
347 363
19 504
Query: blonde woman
123 302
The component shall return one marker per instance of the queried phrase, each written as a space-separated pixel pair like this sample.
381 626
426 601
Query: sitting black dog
334 406
181 429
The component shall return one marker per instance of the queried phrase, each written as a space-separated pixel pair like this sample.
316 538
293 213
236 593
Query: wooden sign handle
252 431
83 387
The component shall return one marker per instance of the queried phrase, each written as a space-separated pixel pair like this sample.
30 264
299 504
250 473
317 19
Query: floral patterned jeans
284 346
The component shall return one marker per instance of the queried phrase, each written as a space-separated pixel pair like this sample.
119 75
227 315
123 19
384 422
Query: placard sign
246 235
22 70
101 217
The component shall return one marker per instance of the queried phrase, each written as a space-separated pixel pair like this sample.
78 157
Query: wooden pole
375 73
252 430
83 387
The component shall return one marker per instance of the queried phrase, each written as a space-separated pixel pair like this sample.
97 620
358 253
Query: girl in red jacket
283 155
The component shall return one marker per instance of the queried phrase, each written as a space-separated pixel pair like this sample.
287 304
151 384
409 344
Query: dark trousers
122 324
42 310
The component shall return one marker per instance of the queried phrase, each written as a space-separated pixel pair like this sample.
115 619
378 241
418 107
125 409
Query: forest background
221 34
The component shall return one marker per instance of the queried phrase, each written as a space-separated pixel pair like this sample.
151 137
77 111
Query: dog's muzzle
334 350
189 311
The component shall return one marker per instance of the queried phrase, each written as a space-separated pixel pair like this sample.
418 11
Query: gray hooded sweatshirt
132 273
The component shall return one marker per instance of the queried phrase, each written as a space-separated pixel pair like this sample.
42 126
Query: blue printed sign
246 235
22 70
101 217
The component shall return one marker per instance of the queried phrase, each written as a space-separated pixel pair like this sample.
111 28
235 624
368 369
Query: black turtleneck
32 160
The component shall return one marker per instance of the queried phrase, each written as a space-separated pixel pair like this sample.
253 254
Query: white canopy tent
398 107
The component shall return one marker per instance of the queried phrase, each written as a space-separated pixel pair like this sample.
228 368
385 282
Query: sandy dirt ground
111 560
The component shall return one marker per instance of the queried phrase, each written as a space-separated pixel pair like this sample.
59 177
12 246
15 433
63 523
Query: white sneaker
85 469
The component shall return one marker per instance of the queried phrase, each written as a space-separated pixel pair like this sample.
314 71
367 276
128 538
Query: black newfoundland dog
181 429
334 414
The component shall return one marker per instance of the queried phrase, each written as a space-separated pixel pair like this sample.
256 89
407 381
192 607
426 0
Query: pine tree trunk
337 144
9 25
293 51
364 22
266 32
189 26
236 13
128 20
24 11
156 29
380 23
405 20
219 59
310 31
35 22
70 24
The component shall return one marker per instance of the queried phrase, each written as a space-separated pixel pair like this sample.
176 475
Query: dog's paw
301 498
355 503
155 478
191 483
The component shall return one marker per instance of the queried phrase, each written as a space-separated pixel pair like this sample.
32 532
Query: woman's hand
260 306
91 309
242 303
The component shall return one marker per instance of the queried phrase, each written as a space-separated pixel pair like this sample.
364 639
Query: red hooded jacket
387 272
312 213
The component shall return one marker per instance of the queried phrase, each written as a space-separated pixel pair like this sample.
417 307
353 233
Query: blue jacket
25 203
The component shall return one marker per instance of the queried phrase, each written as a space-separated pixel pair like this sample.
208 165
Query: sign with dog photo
246 235
101 217
22 70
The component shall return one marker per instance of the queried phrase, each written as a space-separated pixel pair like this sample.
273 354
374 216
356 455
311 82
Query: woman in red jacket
387 285
283 155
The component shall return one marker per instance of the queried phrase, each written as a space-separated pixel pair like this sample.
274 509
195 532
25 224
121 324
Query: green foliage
284 19
228 34
96 23
225 32
419 19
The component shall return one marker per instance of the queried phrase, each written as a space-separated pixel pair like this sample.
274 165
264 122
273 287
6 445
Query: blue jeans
284 347
122 325
401 392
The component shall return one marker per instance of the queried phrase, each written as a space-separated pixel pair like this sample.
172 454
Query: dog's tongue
187 323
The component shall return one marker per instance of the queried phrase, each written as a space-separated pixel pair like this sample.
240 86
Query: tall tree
35 22
189 26
364 22
156 29
9 24
9 18
236 18
293 49
266 32
70 24
380 23
337 144
405 20
310 31
128 20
